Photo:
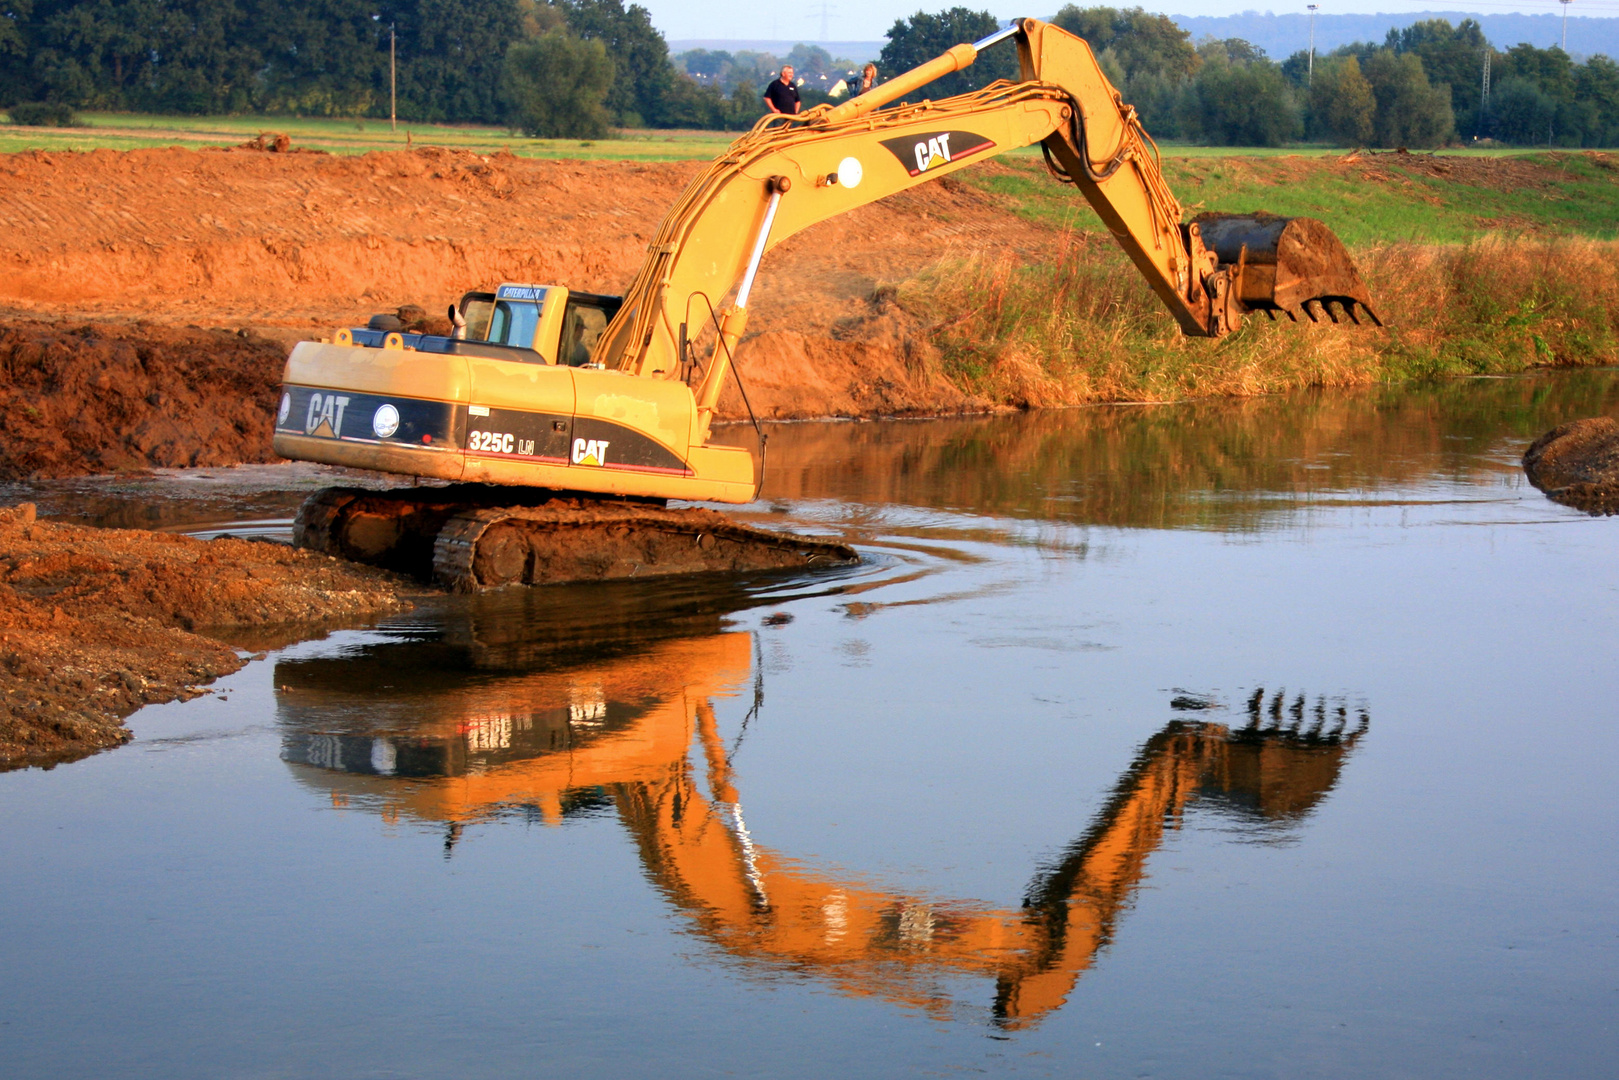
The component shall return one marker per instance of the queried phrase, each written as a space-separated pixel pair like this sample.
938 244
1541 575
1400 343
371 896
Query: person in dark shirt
781 95
868 79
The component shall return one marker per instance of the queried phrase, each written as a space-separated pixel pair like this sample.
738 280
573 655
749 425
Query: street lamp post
393 84
1309 78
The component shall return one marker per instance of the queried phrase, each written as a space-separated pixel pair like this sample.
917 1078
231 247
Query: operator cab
532 324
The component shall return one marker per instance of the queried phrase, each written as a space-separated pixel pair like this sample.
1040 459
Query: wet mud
95 623
80 398
1577 464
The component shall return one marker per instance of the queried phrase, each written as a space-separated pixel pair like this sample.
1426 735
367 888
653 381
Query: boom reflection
637 735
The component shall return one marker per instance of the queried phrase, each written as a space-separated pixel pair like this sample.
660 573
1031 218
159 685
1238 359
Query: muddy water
1260 739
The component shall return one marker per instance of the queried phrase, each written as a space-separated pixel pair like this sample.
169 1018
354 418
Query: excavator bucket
1292 265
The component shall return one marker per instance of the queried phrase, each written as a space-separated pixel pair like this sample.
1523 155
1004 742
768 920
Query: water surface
1271 738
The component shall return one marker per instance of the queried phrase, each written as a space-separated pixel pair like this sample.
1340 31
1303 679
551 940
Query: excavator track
455 537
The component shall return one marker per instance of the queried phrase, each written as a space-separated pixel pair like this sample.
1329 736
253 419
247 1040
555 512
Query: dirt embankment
95 623
99 397
293 245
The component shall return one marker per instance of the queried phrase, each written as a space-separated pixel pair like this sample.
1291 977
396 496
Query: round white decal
385 422
286 409
850 173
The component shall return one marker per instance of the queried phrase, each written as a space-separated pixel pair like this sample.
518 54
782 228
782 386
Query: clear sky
869 20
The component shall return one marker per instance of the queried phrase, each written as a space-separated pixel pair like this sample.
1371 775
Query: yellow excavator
620 736
541 390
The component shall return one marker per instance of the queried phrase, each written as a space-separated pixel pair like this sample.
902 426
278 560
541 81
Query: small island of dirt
95 623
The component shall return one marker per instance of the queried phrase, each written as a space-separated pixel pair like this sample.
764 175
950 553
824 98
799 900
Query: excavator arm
791 172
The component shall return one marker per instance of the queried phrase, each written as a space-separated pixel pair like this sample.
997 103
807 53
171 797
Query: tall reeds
1084 327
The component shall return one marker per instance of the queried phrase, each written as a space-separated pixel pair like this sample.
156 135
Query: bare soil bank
78 398
95 623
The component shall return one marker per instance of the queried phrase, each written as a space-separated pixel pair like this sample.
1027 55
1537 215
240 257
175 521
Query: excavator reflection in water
410 740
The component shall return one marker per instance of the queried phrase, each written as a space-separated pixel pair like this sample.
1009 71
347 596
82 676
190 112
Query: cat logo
325 415
936 151
924 153
590 451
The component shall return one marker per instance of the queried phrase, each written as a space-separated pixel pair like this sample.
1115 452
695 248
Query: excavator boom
790 172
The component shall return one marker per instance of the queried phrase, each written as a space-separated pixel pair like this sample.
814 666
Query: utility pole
1309 78
1484 93
825 10
1565 4
393 84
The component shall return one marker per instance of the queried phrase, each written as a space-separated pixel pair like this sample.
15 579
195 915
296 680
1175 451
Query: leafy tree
1550 70
556 87
810 61
1143 44
1240 102
1521 112
1453 55
1410 110
643 75
450 56
1342 102
1236 50
322 57
922 37
1597 83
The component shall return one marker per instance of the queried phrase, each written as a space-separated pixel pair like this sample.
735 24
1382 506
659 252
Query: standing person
868 79
781 95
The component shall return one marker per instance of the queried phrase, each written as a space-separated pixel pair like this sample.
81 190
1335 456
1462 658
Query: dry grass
1085 328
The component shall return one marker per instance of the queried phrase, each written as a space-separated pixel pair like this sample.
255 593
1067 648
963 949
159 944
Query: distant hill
1282 35
858 51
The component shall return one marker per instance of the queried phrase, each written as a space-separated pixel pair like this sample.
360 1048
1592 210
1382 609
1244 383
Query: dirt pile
95 623
1577 464
1504 173
80 398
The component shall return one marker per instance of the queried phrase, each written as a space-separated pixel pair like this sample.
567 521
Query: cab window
478 311
582 327
513 323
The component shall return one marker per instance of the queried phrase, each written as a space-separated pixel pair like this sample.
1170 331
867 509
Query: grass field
1416 205
128 131
1566 193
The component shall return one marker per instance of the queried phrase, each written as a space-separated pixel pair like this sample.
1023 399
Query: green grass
1580 197
126 131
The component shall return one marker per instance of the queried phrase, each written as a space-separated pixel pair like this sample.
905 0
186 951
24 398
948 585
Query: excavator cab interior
582 326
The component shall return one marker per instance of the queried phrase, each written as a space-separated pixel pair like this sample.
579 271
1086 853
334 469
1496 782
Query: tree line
560 67
577 68
1422 87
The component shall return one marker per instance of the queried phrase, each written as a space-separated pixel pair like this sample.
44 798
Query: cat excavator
565 420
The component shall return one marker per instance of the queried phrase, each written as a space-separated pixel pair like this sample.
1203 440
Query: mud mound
95 623
1577 464
220 237
99 397
1504 173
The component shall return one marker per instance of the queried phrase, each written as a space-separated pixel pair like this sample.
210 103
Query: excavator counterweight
543 389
